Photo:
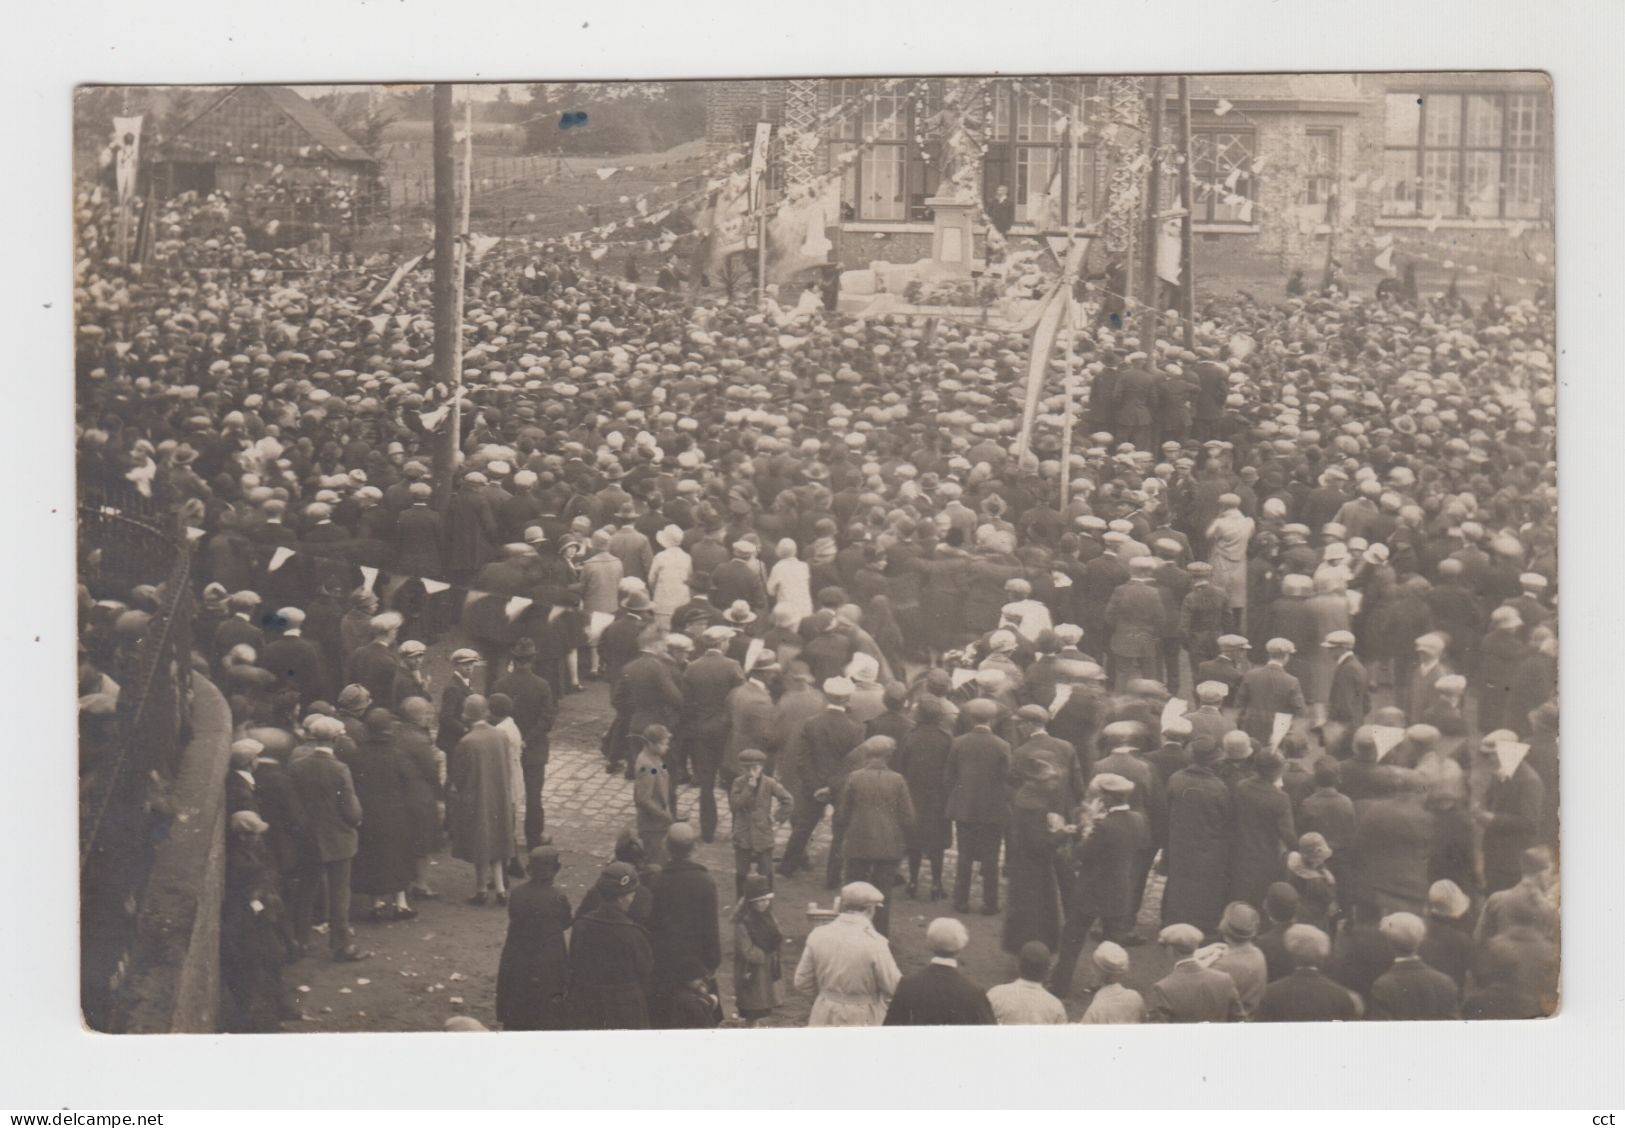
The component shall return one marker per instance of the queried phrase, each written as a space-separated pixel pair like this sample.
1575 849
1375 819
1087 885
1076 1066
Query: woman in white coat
669 575
789 584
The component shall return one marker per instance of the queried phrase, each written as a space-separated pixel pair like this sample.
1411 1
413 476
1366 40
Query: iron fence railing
124 808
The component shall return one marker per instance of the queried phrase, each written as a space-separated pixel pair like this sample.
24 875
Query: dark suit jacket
1410 989
297 662
1306 996
1348 699
647 693
235 632
825 741
978 765
1265 691
332 811
1136 616
683 925
874 817
706 682
418 536
534 711
375 666
939 995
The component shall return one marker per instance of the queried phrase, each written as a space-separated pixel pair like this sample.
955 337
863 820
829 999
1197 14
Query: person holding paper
1267 691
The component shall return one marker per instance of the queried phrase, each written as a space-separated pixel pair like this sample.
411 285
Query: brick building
1437 160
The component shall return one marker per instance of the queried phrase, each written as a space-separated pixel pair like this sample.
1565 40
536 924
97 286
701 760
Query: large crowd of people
1287 651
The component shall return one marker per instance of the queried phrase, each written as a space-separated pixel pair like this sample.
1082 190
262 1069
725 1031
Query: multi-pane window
1027 152
1321 169
892 174
1221 175
1467 156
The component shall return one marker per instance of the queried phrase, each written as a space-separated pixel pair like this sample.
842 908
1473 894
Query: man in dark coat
1349 697
375 665
385 862
470 530
923 762
706 683
1306 994
451 727
1392 848
826 741
1136 405
1500 656
1267 690
874 821
535 958
1135 616
1101 578
1201 822
418 535
295 660
1211 389
239 629
1229 667
1410 989
683 925
611 961
327 794
940 994
645 693
975 776
1102 885
1263 831
1510 815
534 711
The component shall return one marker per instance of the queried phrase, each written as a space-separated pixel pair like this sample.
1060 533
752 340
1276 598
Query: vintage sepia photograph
804 552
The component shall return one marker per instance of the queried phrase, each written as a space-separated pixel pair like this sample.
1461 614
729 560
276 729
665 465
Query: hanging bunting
280 557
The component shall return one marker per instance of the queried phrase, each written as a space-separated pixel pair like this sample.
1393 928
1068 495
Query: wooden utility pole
1187 222
1153 226
448 313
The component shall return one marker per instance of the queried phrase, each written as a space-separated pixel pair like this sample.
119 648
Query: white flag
435 586
1387 738
516 607
1279 728
280 557
1511 754
369 576
1172 710
606 173
1222 108
1385 260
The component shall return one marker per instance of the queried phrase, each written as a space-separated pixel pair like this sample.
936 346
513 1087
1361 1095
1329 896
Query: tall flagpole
460 274
448 316
1187 222
1153 224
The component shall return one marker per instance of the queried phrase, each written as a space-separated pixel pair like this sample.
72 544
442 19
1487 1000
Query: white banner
127 154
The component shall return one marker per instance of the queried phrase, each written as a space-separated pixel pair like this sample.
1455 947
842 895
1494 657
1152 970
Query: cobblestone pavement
445 962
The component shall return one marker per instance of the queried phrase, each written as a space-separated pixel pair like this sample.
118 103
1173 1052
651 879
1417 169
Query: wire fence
129 759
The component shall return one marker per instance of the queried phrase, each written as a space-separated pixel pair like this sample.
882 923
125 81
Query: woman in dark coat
531 976
922 759
385 861
1034 912
611 961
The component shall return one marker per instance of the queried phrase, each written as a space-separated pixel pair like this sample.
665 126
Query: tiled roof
322 129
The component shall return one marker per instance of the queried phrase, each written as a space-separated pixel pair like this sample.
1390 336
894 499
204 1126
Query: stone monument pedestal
953 239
